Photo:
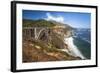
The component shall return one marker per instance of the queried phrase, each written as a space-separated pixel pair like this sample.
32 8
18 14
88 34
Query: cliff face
47 47
38 51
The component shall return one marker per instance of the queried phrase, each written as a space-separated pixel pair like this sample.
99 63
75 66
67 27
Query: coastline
72 49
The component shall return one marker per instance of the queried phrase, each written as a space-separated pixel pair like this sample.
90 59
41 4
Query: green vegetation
48 47
43 23
37 23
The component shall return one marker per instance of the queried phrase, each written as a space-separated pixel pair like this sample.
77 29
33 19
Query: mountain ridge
43 23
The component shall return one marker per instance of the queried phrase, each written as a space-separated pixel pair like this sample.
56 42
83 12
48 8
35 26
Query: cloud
51 17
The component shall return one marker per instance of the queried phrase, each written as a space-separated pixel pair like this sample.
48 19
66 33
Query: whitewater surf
72 48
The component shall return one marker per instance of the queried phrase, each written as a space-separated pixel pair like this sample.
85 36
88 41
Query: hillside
37 23
49 45
38 51
43 23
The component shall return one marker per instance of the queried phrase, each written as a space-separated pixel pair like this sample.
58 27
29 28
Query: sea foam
72 48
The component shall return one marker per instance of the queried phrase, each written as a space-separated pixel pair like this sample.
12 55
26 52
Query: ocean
82 40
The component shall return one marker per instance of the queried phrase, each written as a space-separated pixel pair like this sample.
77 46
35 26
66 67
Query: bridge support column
35 33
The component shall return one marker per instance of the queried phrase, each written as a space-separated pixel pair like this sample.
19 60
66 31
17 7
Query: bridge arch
43 33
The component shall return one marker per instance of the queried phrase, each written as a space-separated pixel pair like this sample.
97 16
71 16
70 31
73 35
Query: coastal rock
44 40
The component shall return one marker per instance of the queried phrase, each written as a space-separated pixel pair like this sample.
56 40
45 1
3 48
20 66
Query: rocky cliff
49 44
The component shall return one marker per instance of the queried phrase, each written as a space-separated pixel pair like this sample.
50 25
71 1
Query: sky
74 19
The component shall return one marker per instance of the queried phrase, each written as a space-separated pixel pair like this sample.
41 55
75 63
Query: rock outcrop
49 43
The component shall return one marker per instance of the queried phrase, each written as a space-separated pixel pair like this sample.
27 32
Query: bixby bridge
38 32
35 32
46 34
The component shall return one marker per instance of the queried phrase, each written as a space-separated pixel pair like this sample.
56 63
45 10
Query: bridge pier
34 32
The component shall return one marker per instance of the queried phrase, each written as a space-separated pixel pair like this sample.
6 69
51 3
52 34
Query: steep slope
43 23
38 51
37 23
47 47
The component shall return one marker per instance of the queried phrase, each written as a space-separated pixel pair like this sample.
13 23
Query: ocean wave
72 48
86 40
83 39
